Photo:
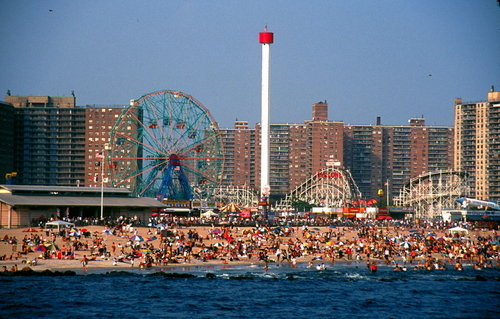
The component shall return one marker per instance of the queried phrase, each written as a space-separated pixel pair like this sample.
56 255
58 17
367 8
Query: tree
301 206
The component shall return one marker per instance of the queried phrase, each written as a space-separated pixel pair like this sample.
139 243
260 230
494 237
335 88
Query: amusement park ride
474 203
166 145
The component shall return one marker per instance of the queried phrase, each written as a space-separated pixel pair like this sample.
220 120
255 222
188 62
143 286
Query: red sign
329 174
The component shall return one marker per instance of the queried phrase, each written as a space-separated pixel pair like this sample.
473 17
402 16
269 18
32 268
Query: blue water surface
340 291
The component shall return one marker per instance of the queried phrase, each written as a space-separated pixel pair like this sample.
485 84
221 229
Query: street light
103 159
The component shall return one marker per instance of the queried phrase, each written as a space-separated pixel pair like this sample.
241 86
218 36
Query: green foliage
301 206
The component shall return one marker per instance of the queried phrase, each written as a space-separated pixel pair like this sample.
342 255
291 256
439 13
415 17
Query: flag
99 155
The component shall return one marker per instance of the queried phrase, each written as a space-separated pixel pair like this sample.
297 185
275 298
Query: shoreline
187 270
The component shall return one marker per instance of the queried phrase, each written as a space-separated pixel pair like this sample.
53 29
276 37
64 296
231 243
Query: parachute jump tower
266 39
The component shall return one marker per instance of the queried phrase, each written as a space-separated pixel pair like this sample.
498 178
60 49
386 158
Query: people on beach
85 262
418 245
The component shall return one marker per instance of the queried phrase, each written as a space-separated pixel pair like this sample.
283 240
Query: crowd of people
401 244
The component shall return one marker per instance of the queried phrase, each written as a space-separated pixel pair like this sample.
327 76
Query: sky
389 58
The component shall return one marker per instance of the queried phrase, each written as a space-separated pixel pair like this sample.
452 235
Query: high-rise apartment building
58 143
6 141
99 121
364 154
49 135
300 164
388 156
239 162
477 144
279 162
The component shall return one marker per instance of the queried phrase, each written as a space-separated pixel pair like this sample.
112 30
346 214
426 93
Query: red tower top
266 37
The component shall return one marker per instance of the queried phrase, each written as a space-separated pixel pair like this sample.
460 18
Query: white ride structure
242 196
476 203
430 193
330 187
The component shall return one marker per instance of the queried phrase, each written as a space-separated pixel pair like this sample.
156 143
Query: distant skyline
393 59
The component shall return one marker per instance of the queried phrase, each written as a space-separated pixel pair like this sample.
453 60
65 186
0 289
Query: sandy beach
310 241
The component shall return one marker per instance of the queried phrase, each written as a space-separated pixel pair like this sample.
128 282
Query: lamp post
387 192
103 158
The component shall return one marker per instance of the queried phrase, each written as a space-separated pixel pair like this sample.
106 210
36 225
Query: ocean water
340 291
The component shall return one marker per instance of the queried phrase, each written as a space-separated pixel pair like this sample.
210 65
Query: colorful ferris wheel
166 145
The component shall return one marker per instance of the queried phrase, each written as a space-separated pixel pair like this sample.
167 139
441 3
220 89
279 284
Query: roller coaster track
330 187
240 195
429 193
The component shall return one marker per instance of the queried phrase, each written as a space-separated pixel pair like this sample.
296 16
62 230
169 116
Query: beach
110 248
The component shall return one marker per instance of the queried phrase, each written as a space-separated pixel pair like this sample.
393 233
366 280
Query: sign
177 203
329 175
202 204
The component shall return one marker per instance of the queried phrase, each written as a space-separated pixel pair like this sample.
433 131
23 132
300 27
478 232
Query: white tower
266 39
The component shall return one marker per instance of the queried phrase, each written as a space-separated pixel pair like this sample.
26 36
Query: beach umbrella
108 232
83 230
40 248
405 244
152 238
74 233
209 213
51 246
137 238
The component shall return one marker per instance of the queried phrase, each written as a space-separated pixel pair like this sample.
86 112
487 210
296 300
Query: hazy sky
395 59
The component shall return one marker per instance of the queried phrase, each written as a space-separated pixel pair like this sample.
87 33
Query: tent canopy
230 208
209 213
59 224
